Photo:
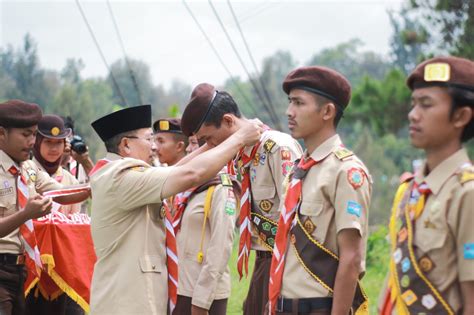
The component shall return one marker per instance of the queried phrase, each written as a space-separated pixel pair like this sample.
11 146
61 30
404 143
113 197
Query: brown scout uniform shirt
128 230
445 228
329 204
37 181
210 280
268 170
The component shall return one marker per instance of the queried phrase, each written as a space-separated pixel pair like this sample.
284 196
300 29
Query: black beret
172 125
198 108
128 119
19 114
52 126
322 81
443 71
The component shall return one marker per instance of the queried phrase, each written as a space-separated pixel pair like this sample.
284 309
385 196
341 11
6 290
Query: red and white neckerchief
101 163
27 231
287 216
171 257
245 209
180 202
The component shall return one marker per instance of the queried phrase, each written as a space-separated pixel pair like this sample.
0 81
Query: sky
164 35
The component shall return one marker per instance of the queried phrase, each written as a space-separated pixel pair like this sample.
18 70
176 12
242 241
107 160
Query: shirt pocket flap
311 208
266 192
428 240
150 263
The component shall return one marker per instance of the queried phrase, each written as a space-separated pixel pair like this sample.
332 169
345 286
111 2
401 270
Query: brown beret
52 126
443 71
322 81
172 125
19 114
198 108
128 119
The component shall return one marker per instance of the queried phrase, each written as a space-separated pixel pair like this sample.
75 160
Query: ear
228 120
462 117
180 146
124 147
329 111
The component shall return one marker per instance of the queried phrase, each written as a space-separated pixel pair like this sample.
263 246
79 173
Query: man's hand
196 310
38 206
83 159
250 131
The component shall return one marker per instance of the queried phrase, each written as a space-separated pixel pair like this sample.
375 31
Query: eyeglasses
149 139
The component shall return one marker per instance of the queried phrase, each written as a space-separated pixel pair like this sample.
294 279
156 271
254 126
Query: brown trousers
12 297
183 306
257 297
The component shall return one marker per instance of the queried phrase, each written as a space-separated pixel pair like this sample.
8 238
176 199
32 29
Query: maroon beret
19 114
198 108
443 71
128 119
52 126
172 125
322 81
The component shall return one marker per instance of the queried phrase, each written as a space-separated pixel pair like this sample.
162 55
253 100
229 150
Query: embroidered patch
428 224
285 154
466 176
409 297
265 205
286 167
162 212
253 174
6 191
225 180
31 174
271 241
428 301
268 145
309 226
355 177
274 230
402 235
164 125
406 264
397 255
256 220
55 131
342 153
266 226
405 281
230 206
263 158
354 208
256 159
439 71
426 264
469 251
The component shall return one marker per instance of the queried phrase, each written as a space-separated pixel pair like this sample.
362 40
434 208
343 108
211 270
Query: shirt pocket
431 233
264 198
192 232
315 218
150 264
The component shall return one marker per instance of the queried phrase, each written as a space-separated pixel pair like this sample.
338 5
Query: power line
117 87
220 58
132 75
265 91
268 107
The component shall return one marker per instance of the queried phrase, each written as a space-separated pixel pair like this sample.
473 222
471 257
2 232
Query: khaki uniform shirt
330 203
130 275
65 178
444 231
37 181
272 163
210 280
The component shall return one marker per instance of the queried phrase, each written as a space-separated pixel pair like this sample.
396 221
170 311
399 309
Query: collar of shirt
6 161
437 177
113 156
326 148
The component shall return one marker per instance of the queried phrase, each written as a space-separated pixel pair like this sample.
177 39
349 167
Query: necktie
287 215
245 208
27 231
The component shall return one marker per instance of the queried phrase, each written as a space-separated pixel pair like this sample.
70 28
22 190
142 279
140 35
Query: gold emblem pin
265 205
55 131
164 125
426 264
309 226
440 72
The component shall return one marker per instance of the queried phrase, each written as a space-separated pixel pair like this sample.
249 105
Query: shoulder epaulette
269 145
225 180
406 177
466 174
343 153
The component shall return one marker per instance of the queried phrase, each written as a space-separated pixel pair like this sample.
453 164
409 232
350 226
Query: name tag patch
469 251
354 208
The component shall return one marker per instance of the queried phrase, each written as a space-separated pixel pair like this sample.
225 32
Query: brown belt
264 254
306 305
12 259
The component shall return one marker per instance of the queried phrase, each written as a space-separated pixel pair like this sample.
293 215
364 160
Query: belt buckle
20 259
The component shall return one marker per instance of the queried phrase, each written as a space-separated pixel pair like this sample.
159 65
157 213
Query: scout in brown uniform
136 263
431 228
170 142
319 254
18 125
213 116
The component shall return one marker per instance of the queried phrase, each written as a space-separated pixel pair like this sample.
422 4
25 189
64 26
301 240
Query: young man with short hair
170 141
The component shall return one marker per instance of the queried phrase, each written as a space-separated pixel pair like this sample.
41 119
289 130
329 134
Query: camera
78 145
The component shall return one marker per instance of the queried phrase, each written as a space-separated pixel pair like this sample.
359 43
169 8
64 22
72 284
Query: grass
377 265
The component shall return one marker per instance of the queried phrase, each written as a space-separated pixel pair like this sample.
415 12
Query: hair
112 144
222 104
68 122
321 100
462 98
180 137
